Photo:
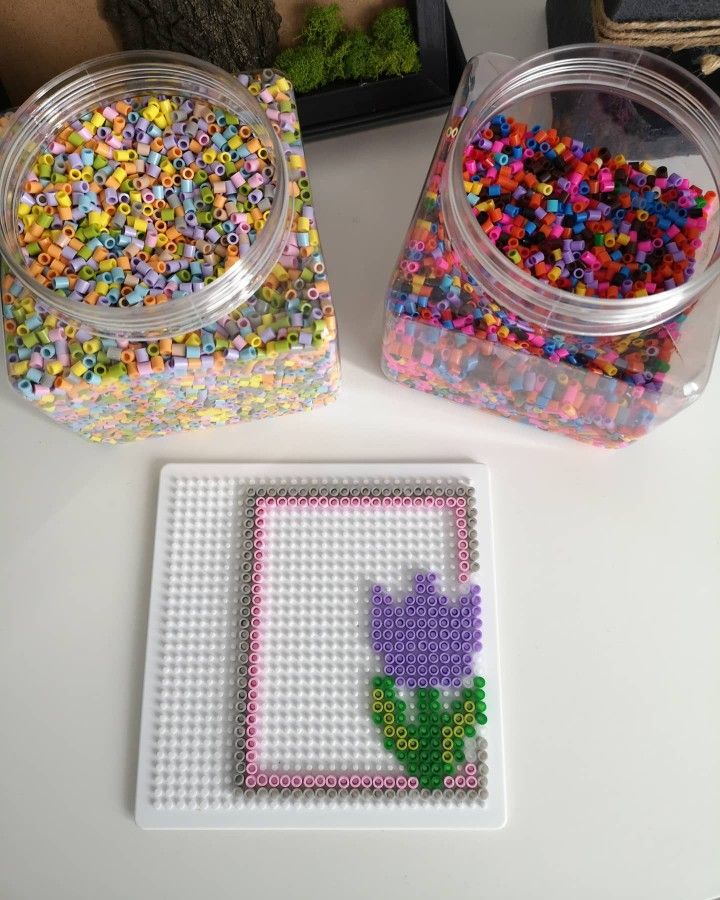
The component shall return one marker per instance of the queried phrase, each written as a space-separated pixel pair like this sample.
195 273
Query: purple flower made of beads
426 640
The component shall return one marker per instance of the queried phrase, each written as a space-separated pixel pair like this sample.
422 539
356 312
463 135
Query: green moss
330 53
324 27
335 64
304 66
392 37
361 61
401 60
392 27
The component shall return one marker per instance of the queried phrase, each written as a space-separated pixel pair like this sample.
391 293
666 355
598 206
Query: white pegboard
257 704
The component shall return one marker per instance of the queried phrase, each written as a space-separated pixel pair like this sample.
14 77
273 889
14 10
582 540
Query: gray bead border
320 488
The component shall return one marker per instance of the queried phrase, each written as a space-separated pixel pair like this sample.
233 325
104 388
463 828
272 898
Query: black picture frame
351 106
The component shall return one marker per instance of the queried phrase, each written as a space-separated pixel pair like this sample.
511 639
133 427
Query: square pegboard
322 650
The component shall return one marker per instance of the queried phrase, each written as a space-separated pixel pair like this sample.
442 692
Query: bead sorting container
257 341
465 322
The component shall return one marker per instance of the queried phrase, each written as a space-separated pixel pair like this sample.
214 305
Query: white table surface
608 569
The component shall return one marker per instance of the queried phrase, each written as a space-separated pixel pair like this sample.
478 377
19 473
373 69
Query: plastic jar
466 323
260 340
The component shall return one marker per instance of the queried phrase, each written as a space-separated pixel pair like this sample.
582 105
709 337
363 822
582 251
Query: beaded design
263 503
427 646
265 675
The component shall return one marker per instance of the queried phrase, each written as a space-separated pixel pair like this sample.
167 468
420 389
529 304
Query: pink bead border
467 780
254 778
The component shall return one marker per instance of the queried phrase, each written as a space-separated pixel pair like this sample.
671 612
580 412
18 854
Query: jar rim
637 74
105 79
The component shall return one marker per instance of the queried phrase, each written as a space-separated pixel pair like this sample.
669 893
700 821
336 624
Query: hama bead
427 646
582 219
600 201
420 639
143 208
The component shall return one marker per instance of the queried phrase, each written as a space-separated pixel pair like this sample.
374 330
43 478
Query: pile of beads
579 218
275 353
144 200
630 231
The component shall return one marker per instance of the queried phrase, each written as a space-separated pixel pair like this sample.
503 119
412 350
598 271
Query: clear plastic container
258 341
600 370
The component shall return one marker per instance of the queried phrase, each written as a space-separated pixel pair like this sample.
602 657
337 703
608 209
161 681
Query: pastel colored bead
159 211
